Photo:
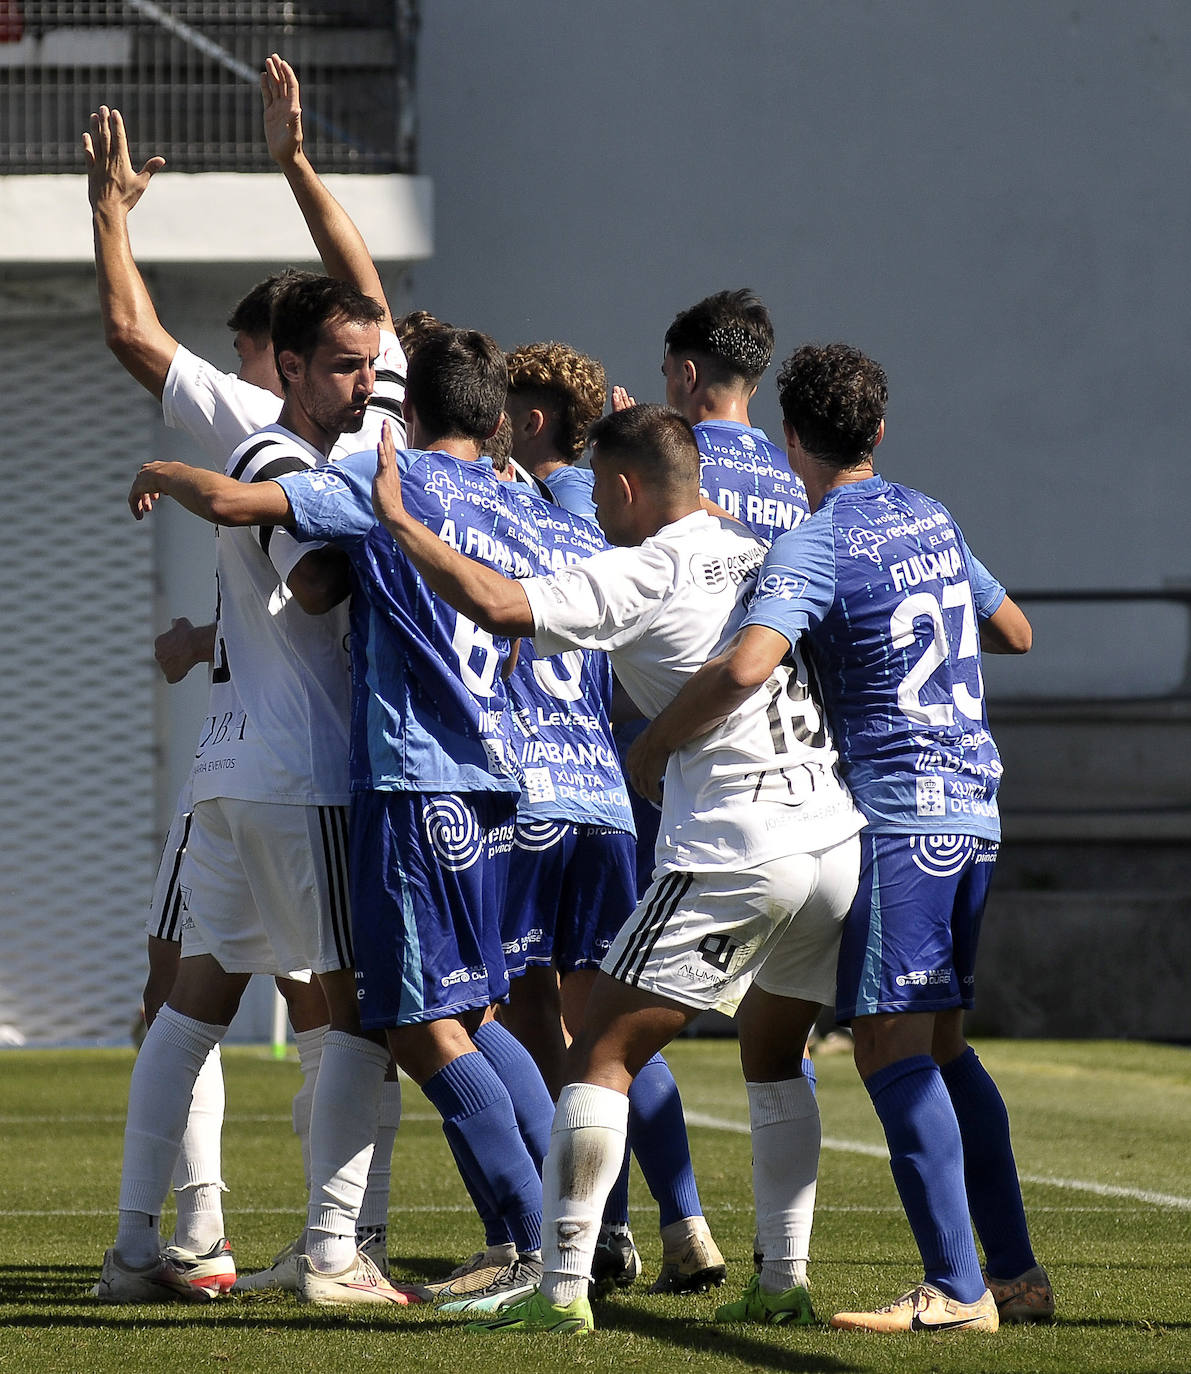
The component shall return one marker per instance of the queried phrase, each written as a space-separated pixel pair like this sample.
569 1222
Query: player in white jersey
265 868
218 410
757 851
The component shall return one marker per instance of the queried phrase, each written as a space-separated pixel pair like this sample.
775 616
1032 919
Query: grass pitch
1103 1140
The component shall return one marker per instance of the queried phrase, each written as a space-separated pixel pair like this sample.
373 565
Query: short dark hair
654 441
834 399
457 383
254 315
413 329
731 329
306 304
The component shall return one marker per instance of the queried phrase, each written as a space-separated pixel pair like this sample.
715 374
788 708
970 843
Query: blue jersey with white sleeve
561 703
883 584
750 478
429 708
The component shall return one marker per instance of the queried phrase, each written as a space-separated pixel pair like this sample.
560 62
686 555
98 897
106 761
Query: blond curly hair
568 384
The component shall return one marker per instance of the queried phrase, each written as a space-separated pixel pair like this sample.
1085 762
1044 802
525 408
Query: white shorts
702 938
165 906
264 887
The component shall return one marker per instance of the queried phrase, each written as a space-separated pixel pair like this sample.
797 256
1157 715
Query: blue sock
616 1209
990 1172
808 1071
516 1069
657 1133
473 1102
495 1231
927 1162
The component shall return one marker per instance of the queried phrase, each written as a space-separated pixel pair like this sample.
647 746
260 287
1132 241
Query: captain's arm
488 599
721 686
1006 631
212 496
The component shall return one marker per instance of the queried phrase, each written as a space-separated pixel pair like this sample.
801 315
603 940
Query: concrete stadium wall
990 199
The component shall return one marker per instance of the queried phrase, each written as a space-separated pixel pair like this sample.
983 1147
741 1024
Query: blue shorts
428 877
571 888
909 941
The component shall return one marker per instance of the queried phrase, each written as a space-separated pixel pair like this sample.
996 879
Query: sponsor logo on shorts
538 836
464 975
717 950
941 856
455 834
922 978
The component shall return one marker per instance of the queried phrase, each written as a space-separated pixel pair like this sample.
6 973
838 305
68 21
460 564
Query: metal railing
184 75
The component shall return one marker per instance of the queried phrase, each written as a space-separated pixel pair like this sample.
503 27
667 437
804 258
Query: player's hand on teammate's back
183 645
645 764
386 485
283 109
111 180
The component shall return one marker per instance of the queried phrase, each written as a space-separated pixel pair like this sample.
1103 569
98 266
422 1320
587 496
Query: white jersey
219 411
764 782
276 723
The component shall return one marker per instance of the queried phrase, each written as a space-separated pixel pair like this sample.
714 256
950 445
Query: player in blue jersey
555 395
433 762
882 584
716 353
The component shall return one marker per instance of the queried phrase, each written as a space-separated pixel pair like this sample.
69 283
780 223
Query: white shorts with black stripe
165 906
264 887
701 938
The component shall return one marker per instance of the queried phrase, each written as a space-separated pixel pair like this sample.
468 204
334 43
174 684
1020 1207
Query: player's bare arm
210 495
720 687
341 247
182 647
1006 631
320 580
493 602
144 347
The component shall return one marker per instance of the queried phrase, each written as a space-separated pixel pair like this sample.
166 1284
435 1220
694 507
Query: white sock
784 1120
374 1210
586 1152
310 1052
198 1183
159 1096
342 1134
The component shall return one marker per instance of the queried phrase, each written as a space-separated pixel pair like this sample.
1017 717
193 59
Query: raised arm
1006 631
495 603
211 496
723 684
131 329
344 254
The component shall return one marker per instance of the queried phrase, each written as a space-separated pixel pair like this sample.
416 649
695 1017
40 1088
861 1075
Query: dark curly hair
833 398
731 329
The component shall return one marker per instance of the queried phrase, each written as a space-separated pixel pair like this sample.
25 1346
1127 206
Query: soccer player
881 584
555 395
435 775
715 354
263 875
757 849
219 410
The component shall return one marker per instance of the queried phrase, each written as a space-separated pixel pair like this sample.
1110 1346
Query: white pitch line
858 1147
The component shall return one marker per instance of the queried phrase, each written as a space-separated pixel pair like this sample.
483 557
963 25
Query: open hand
645 765
283 109
111 182
386 485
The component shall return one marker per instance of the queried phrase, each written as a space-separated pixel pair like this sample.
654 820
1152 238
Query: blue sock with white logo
475 1104
657 1133
517 1070
927 1162
990 1171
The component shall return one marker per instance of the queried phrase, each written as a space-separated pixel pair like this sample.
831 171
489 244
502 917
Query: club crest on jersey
709 574
454 833
444 490
780 587
864 544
